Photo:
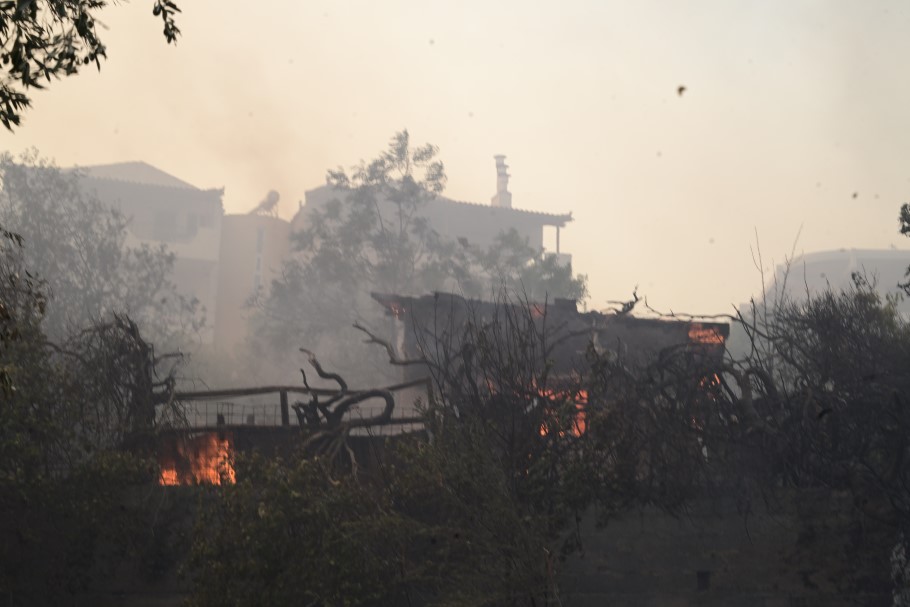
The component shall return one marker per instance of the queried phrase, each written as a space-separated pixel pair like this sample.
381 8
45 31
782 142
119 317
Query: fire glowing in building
701 334
205 458
577 422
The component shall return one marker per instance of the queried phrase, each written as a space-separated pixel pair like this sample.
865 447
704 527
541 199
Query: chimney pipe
503 197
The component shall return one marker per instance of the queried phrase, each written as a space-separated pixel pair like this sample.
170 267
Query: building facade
162 209
223 261
819 271
477 224
253 249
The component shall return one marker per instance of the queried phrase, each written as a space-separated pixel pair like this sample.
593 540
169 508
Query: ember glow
710 381
202 459
700 334
579 422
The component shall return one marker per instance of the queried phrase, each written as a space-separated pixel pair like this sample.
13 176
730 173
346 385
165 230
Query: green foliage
489 535
647 423
373 236
818 401
289 534
842 375
904 220
513 264
438 525
44 39
75 422
21 308
54 528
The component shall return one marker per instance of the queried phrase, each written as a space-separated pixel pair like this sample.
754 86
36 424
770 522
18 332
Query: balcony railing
272 407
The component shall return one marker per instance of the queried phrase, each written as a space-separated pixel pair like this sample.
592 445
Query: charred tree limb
329 433
394 359
314 362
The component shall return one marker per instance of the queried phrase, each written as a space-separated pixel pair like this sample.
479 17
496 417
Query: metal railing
272 407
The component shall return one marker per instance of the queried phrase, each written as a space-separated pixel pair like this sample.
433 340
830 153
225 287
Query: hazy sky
791 107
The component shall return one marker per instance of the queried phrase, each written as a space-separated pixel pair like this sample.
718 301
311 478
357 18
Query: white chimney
503 196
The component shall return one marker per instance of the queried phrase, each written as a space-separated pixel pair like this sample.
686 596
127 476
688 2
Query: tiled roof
561 218
546 218
135 172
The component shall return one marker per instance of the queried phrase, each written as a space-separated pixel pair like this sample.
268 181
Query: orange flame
709 381
579 421
700 334
204 459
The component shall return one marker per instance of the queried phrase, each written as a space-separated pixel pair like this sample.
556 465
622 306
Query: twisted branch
330 436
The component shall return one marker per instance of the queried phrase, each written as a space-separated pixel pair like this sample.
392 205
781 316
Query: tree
815 404
77 245
375 233
375 237
904 220
43 39
77 422
830 382
511 263
371 237
85 394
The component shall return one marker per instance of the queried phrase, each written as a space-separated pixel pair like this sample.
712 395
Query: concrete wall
185 219
253 247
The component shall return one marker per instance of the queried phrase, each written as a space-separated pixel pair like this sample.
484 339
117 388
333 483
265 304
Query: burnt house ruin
634 339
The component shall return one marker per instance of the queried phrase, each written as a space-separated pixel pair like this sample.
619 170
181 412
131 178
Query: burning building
446 328
633 338
197 458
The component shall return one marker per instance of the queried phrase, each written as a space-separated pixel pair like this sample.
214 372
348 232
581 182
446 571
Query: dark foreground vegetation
482 507
482 510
